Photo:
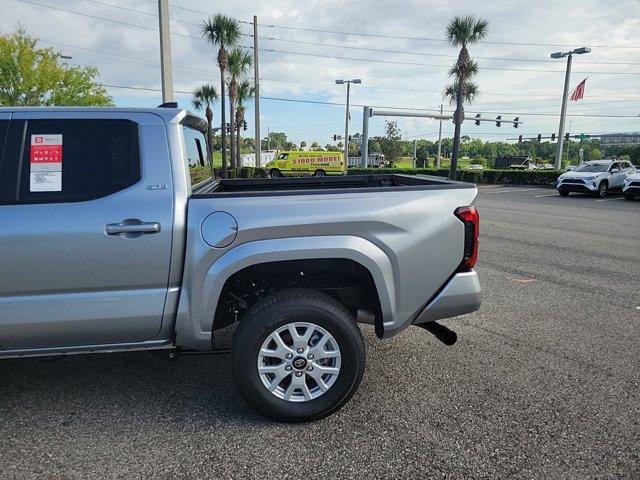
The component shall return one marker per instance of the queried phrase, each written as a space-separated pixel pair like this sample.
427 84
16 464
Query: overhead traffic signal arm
498 120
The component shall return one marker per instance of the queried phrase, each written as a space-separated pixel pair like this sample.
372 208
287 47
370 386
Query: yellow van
318 164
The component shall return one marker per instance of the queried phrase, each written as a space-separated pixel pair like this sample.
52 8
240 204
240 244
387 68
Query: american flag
578 93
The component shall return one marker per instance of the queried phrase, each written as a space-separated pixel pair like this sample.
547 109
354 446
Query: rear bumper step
460 296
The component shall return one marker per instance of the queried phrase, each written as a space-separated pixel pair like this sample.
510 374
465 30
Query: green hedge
516 177
244 172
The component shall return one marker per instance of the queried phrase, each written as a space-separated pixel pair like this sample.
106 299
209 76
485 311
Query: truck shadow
126 387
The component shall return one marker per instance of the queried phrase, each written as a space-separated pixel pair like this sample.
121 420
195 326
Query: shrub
516 177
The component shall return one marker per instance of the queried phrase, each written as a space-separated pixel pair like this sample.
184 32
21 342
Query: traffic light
498 118
519 138
244 125
335 138
566 136
349 137
539 137
515 122
478 119
553 137
227 128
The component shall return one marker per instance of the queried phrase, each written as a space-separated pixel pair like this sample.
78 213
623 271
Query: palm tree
461 32
239 62
223 32
204 96
244 93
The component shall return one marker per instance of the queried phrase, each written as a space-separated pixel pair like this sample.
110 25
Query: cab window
73 160
196 153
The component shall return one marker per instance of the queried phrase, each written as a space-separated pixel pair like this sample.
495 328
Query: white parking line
609 199
547 195
511 190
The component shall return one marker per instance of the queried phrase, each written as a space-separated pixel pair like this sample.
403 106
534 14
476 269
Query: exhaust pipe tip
442 333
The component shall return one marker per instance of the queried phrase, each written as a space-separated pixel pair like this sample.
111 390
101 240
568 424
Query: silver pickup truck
106 246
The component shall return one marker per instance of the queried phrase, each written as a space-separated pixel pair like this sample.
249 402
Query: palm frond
221 30
245 92
204 96
240 61
465 30
470 92
471 69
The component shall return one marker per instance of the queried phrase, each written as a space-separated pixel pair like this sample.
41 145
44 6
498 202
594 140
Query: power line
416 64
527 60
320 102
402 37
127 57
403 89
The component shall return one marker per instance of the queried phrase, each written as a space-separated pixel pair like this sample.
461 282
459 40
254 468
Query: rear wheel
297 356
629 196
603 189
275 173
320 173
563 193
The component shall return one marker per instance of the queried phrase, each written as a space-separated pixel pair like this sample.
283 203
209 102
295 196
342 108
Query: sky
397 48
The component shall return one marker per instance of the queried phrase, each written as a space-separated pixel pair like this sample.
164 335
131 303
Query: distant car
596 177
475 167
631 186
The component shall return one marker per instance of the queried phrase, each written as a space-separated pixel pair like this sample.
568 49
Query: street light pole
346 118
563 113
439 139
346 129
565 95
256 91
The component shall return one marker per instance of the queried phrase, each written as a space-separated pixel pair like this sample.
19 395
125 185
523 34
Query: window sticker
45 163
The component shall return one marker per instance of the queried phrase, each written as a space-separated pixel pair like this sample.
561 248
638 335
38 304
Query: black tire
283 308
320 173
628 196
563 193
603 189
275 173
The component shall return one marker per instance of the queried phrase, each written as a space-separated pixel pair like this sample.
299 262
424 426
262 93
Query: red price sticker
45 162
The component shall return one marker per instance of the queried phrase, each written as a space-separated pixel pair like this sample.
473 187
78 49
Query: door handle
132 228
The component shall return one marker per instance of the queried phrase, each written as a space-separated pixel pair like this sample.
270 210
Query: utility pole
569 141
268 138
346 118
415 152
439 140
565 95
165 51
256 90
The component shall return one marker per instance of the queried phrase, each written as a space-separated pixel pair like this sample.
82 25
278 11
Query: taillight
471 220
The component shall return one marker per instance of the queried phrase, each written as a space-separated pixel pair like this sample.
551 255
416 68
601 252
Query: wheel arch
196 316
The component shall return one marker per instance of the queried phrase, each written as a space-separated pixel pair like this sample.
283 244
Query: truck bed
334 184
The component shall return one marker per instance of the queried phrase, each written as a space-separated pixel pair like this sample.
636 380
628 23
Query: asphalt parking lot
543 383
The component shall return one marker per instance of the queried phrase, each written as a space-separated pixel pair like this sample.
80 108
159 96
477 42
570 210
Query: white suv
596 177
631 186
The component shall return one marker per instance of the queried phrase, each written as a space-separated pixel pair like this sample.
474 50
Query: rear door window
77 160
196 152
